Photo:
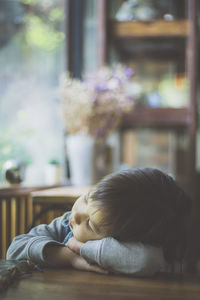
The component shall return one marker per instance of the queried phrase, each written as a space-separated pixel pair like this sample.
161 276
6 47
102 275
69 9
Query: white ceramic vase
90 159
80 151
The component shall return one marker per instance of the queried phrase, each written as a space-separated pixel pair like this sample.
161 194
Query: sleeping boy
131 222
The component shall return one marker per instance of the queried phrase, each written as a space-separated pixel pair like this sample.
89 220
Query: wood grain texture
60 195
52 203
16 214
71 284
157 117
159 28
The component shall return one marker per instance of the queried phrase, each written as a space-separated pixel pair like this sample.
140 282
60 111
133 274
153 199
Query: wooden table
60 195
71 284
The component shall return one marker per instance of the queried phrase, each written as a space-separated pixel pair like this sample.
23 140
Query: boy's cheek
80 235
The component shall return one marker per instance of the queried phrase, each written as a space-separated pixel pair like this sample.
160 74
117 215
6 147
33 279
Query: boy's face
85 220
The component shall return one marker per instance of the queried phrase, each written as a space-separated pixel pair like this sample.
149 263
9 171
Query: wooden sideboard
18 210
51 203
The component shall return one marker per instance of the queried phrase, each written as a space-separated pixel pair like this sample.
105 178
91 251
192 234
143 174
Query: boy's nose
79 217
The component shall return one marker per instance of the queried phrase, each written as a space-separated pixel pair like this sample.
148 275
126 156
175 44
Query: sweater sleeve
126 258
31 245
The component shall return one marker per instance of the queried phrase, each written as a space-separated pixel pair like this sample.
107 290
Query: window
32 57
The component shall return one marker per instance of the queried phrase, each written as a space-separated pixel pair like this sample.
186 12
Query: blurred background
40 40
32 57
119 76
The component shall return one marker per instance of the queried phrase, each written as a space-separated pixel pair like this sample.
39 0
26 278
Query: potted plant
92 109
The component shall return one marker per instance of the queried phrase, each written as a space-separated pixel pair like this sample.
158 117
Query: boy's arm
126 258
31 245
63 256
43 245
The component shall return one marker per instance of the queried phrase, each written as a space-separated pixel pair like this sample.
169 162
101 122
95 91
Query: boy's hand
80 263
63 256
74 245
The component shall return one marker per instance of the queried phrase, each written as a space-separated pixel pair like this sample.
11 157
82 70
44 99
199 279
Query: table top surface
56 284
59 195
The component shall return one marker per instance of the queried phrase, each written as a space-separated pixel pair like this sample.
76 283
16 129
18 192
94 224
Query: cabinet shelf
158 28
157 117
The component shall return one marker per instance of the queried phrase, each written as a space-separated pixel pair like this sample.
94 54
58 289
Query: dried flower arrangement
96 104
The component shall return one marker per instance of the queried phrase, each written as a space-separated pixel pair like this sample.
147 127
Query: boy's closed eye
89 226
92 227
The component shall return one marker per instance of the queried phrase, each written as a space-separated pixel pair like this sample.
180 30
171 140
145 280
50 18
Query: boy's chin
78 238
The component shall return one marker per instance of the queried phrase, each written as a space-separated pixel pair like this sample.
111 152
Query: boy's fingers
74 245
81 264
97 269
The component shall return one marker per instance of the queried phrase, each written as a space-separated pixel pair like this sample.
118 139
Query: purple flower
100 132
105 94
94 98
101 87
129 72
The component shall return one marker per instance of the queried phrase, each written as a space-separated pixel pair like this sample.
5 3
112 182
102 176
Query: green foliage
54 162
11 147
39 34
42 35
38 2
56 14
29 2
42 24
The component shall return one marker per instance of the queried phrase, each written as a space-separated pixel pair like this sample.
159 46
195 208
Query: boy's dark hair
145 205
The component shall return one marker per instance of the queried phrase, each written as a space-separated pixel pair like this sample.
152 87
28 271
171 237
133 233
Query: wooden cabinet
184 35
117 34
158 28
113 34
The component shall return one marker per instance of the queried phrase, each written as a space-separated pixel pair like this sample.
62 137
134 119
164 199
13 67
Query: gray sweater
127 258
